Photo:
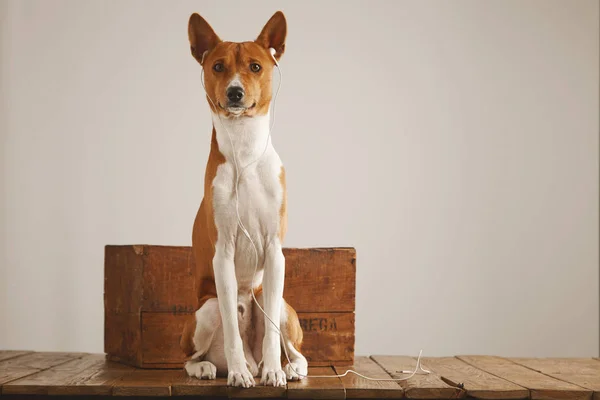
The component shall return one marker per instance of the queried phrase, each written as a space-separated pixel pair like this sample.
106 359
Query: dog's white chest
258 202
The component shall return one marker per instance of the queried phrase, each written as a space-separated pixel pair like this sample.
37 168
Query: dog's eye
254 67
218 67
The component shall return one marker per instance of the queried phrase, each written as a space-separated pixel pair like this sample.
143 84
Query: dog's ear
273 34
202 37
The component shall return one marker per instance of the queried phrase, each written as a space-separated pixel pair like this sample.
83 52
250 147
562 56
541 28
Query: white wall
454 144
3 132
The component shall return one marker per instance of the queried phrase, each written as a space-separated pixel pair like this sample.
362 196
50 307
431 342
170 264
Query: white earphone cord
238 174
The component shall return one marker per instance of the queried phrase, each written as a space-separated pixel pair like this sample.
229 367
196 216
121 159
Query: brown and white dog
228 334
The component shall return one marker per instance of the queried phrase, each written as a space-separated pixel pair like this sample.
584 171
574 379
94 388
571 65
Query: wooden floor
25 374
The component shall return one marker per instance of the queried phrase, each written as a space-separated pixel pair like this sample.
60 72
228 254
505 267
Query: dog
228 335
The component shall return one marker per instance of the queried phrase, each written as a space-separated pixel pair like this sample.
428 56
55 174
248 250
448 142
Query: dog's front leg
226 282
272 374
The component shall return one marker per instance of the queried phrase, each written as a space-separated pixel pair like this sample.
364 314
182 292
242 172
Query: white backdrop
454 144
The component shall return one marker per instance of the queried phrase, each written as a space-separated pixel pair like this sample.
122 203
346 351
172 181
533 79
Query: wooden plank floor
24 374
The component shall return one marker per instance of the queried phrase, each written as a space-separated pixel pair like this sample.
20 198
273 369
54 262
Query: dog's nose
235 93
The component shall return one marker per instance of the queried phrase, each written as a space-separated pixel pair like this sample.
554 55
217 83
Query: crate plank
161 333
169 279
61 374
584 372
161 279
123 286
317 388
420 386
540 386
320 279
361 388
123 338
477 383
327 336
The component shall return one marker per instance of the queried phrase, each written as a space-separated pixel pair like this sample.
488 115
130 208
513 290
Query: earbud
273 52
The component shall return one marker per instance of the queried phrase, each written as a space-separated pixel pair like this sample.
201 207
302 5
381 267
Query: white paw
271 377
295 372
201 369
240 377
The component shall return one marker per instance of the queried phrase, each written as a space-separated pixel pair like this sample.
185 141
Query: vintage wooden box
149 290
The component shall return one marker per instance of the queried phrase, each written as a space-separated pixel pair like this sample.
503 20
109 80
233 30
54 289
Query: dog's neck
249 136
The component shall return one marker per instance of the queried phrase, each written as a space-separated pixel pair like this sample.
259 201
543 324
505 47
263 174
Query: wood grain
161 279
41 360
8 374
123 286
80 374
477 383
187 386
148 382
257 392
97 380
10 371
361 388
584 372
161 333
317 388
7 354
420 386
59 374
540 386
123 338
328 337
320 280
168 279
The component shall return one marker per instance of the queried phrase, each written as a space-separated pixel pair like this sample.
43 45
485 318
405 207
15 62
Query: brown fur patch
204 235
187 336
292 330
236 59
201 35
273 34
204 239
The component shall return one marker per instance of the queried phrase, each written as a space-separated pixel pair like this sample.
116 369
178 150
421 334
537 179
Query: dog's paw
240 377
201 369
271 377
295 372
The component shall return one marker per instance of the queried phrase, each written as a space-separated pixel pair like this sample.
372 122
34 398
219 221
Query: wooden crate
150 290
